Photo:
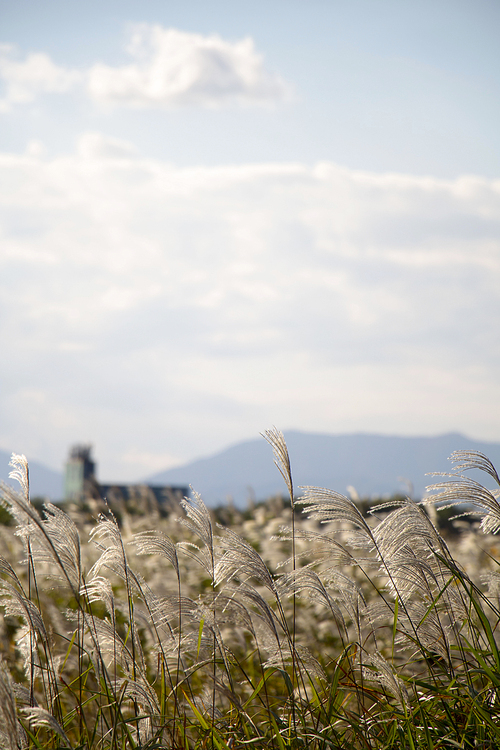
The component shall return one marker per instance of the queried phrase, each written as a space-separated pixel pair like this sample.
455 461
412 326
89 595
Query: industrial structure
80 483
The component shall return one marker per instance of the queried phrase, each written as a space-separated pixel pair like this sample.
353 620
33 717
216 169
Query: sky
218 217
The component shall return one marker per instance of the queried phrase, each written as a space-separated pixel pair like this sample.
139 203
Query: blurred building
79 474
80 482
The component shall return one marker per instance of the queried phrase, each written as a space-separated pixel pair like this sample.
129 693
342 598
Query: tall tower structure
79 471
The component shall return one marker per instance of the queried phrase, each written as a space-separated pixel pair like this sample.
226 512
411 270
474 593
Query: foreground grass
325 628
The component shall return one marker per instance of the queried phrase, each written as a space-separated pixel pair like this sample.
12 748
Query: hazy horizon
225 448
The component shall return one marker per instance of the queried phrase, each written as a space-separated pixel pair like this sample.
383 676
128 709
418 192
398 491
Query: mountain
44 482
373 464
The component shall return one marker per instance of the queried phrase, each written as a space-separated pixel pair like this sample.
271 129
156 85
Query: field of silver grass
306 624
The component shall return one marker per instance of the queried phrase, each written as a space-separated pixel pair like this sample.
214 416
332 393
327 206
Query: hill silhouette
374 464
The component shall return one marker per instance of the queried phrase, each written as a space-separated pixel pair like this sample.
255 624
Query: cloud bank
169 68
165 312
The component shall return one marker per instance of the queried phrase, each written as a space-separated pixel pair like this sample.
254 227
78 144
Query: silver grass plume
20 507
10 729
20 473
200 555
155 542
413 574
309 581
306 661
143 733
99 589
491 579
348 594
276 440
241 560
168 608
54 539
376 668
199 522
406 543
111 648
18 503
207 615
26 643
407 526
474 460
7 569
232 699
424 629
264 612
15 603
234 611
158 615
39 717
140 691
325 546
65 543
325 506
464 491
414 557
282 462
114 558
22 694
205 703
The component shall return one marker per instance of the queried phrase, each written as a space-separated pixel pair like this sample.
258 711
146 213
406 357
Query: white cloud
169 68
25 79
176 68
166 311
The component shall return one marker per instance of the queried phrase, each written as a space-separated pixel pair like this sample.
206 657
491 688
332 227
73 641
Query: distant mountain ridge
373 464
44 482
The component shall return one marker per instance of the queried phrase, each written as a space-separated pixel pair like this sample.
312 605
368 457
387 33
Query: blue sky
220 216
376 85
